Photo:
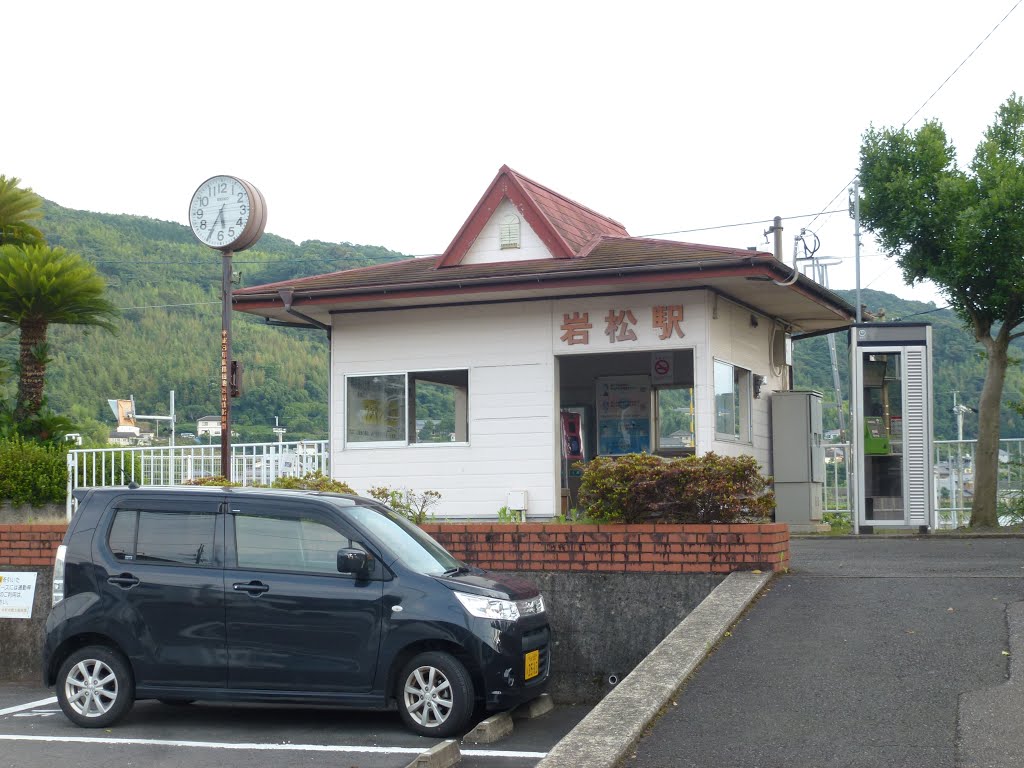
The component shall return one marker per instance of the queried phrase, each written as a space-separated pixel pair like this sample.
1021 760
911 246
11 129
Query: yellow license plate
532 664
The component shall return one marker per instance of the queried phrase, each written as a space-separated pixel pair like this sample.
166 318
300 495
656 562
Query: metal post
856 239
225 368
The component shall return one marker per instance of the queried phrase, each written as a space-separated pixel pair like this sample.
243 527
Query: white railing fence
952 475
251 464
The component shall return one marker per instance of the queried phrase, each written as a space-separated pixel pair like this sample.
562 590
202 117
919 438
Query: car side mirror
351 560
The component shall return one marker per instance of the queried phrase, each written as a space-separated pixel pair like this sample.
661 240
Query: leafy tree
17 207
40 285
964 230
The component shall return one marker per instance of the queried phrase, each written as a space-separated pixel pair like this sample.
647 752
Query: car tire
435 694
95 687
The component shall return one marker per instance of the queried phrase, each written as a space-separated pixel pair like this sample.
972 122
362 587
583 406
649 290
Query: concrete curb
494 728
604 736
443 755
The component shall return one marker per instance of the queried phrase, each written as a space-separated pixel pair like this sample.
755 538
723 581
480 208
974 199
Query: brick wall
22 545
540 546
617 548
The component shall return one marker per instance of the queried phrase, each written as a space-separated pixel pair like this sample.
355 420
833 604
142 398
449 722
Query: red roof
564 226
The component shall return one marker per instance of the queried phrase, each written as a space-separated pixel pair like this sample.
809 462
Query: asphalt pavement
871 652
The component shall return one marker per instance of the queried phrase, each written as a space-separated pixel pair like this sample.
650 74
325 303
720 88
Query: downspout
777 229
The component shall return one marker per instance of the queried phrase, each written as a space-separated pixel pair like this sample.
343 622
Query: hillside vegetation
168 287
168 337
957 364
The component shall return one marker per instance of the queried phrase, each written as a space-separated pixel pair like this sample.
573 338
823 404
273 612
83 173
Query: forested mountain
168 337
957 365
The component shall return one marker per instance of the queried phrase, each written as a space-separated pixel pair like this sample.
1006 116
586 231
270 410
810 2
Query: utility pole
855 194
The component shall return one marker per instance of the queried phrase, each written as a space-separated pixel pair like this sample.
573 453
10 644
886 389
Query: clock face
220 211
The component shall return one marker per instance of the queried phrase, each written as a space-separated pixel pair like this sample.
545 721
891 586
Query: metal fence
251 464
952 475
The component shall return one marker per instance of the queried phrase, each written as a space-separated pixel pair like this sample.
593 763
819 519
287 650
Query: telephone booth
891 408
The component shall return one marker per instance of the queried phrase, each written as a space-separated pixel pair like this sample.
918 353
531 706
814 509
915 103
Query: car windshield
414 548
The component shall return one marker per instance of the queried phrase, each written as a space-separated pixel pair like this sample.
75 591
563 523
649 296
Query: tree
964 230
40 285
18 207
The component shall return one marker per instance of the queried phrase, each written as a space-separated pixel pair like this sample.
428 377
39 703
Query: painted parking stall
33 731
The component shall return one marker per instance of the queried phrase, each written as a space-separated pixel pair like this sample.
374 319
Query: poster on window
375 408
623 415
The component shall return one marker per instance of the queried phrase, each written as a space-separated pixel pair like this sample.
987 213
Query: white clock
227 213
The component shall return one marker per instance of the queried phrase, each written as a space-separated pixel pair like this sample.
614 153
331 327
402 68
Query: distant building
208 425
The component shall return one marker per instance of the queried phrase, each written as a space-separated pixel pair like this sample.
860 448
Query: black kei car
240 594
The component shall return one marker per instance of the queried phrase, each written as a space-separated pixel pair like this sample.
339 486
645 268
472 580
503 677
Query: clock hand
220 217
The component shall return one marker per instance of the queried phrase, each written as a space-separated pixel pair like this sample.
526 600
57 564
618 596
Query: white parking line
23 707
265 747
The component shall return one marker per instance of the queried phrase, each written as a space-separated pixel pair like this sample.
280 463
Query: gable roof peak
563 225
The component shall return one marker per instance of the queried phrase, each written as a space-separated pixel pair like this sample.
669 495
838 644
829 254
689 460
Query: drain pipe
286 295
777 229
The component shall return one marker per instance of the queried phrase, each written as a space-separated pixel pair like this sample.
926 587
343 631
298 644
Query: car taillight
58 574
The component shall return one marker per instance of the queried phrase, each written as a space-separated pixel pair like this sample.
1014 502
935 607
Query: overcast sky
383 123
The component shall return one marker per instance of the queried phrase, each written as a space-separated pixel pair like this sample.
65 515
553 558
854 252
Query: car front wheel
435 694
95 687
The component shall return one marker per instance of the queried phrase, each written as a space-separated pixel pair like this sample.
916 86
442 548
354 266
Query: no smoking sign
661 369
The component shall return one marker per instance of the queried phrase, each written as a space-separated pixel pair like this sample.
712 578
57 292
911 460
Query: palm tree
17 207
40 285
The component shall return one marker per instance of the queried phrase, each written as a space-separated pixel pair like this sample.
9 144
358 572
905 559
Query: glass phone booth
891 370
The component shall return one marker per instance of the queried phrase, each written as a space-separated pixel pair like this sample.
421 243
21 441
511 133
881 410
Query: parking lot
34 733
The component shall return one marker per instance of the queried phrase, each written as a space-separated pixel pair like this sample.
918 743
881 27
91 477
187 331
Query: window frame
408 412
215 560
288 510
742 402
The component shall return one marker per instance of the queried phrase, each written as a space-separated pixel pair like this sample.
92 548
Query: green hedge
32 473
639 487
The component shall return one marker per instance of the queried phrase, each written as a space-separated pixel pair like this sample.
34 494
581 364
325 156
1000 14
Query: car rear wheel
435 694
95 687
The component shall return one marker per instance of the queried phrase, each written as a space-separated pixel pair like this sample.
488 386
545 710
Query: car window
288 543
413 547
156 536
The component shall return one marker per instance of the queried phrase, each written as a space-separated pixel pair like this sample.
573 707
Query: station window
406 408
732 402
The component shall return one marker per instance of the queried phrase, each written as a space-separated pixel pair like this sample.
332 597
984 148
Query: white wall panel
512 433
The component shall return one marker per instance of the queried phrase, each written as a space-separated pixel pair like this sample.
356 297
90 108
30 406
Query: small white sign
17 591
661 368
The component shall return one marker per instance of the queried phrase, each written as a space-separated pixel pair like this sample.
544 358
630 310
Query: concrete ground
871 652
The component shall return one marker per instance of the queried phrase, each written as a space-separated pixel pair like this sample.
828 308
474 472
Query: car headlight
488 607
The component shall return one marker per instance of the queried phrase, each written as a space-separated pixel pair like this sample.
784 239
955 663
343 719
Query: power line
738 224
166 306
941 86
961 64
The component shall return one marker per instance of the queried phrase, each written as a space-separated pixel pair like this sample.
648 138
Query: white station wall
512 445
744 339
511 352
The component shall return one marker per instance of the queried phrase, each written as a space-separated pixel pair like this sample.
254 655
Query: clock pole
225 367
239 221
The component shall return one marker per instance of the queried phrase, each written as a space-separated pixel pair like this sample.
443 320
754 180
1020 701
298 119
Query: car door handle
125 580
253 587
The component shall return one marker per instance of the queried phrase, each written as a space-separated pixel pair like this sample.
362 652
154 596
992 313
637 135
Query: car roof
208 490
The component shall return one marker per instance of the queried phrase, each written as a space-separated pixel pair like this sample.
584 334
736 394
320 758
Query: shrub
408 503
313 481
694 489
217 481
32 473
